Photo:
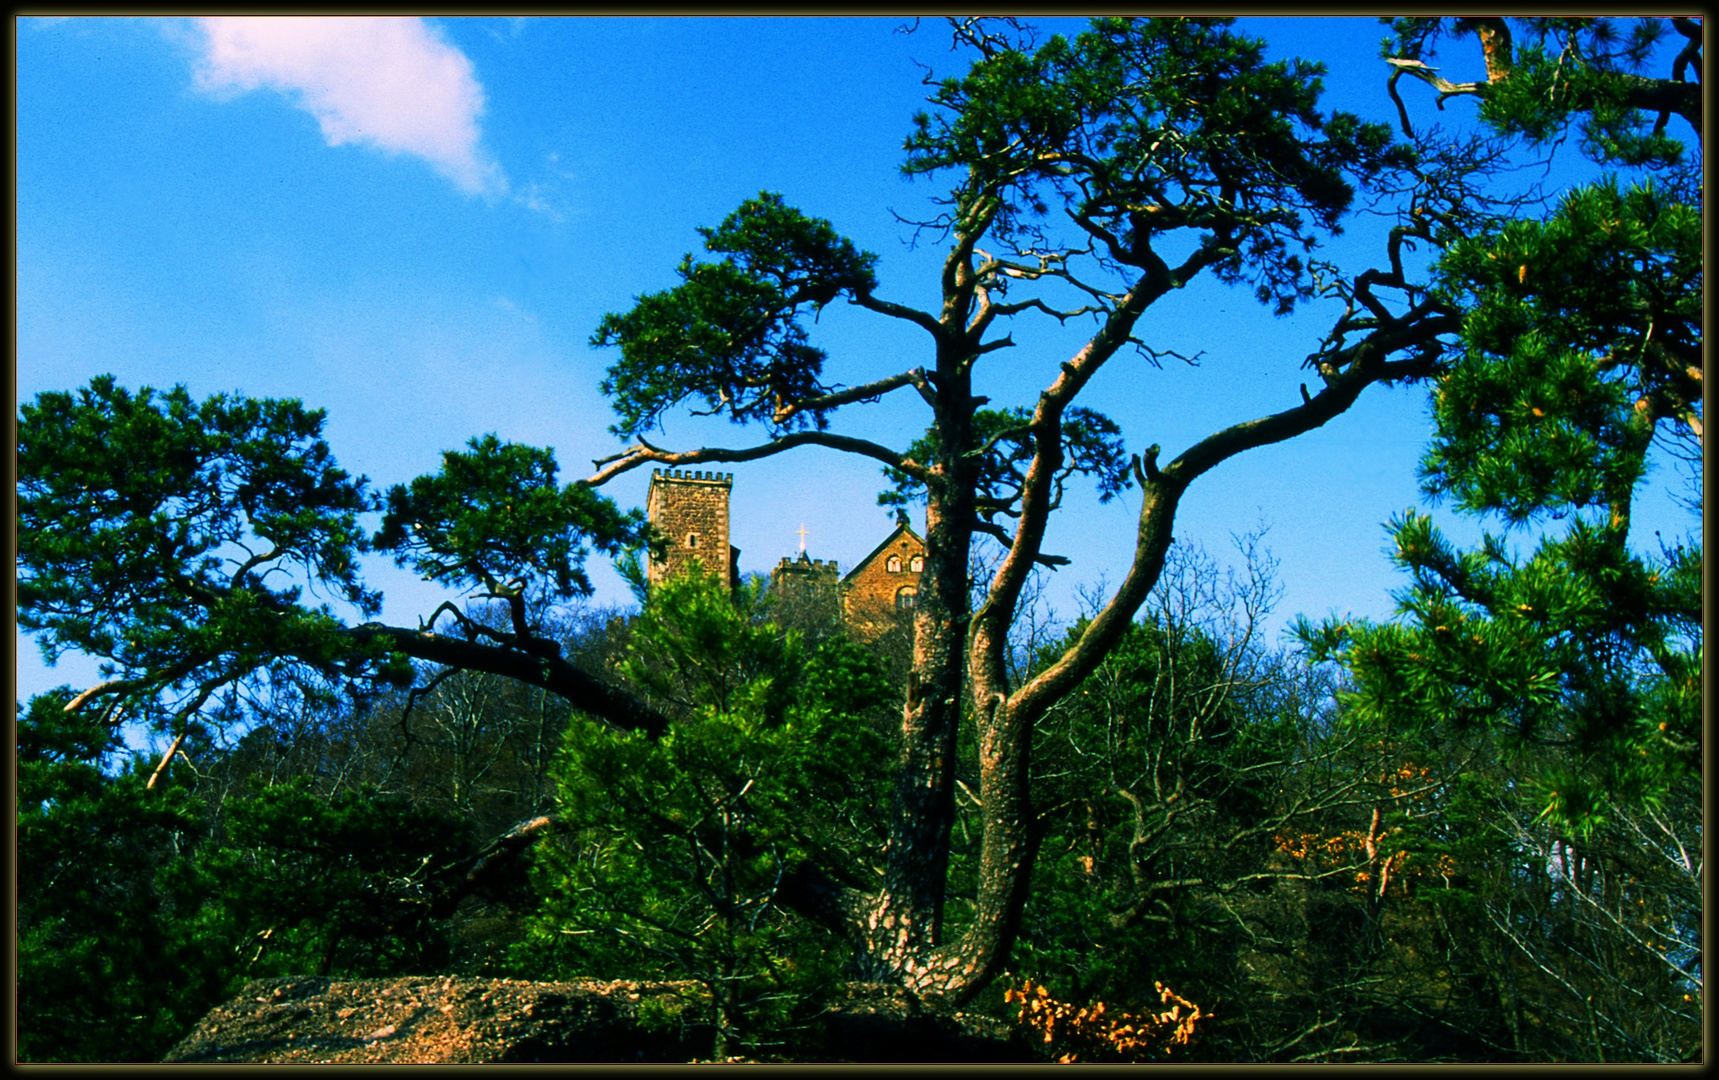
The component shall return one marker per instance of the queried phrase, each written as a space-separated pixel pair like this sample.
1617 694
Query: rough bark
903 923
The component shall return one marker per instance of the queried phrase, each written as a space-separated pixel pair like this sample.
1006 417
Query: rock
432 1020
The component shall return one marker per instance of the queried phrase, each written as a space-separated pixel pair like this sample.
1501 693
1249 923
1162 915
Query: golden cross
802 538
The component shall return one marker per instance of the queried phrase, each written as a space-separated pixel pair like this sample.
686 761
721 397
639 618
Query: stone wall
805 594
880 591
691 510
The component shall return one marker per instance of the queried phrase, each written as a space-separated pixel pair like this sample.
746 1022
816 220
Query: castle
690 509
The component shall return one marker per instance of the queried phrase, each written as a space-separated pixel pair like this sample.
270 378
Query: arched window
894 564
691 540
905 598
918 564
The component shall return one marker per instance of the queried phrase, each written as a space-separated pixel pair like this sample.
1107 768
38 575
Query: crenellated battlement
804 565
692 476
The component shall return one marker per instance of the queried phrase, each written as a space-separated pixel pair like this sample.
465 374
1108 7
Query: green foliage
1580 352
1583 332
1144 126
1380 897
699 645
53 742
315 881
175 541
1583 643
110 964
1562 935
1581 345
1163 780
630 564
495 513
675 848
1004 445
140 908
1574 71
148 526
729 335
1494 855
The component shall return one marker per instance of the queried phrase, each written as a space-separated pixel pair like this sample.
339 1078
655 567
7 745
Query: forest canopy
1468 832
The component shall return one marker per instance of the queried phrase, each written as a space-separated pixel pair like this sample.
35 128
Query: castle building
806 593
885 585
690 509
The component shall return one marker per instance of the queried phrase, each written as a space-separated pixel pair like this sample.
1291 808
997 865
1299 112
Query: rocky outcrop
447 1020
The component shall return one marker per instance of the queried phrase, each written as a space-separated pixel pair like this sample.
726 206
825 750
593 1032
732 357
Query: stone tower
806 594
690 509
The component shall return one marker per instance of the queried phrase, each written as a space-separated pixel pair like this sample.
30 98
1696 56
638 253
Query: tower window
691 540
918 564
895 564
905 598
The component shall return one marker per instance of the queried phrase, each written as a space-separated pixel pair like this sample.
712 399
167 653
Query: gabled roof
879 550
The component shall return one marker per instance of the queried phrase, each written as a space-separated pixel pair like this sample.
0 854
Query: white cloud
513 309
389 82
536 198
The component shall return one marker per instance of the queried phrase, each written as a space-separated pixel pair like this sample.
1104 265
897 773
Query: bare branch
484 865
125 687
165 758
1428 75
185 715
871 391
1360 366
1001 535
577 687
645 453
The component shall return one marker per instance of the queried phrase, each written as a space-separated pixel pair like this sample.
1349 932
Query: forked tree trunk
903 933
903 924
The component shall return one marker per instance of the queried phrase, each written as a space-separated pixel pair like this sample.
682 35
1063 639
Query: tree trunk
904 922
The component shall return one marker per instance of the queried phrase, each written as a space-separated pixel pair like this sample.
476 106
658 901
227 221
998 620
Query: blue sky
416 225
